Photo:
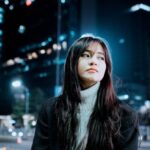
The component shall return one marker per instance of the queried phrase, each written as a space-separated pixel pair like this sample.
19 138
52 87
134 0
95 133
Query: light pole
26 100
17 84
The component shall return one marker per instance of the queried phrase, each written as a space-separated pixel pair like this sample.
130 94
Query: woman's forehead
95 47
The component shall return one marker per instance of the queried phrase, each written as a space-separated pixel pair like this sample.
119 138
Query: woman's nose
93 61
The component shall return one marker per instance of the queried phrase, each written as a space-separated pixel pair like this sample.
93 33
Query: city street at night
26 145
74 74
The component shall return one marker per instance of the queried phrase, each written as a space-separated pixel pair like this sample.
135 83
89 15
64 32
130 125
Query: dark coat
45 134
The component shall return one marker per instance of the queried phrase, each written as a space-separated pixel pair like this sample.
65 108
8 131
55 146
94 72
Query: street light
17 84
140 6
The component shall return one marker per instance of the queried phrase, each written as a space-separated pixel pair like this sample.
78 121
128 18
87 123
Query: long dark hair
104 123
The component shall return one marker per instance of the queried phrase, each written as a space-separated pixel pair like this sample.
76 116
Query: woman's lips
92 70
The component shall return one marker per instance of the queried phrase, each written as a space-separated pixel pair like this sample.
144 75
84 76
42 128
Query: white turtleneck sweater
88 97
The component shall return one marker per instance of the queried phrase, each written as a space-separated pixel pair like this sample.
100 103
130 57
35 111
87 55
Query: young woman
87 115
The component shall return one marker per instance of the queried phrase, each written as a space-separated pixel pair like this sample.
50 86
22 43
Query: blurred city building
34 43
35 36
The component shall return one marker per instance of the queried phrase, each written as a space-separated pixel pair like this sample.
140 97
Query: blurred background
34 39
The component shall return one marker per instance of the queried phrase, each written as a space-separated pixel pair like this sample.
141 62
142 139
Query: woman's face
91 65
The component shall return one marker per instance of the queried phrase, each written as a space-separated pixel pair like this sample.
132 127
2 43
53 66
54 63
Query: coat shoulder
49 103
126 110
129 117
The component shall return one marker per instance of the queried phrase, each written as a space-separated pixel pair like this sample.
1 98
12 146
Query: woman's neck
88 85
90 91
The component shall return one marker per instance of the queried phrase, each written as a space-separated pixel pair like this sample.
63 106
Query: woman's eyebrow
101 53
92 52
88 50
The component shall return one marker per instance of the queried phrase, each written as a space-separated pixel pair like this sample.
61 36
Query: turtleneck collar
91 91
88 97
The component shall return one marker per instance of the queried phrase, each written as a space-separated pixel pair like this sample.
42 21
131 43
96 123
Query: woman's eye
85 55
101 57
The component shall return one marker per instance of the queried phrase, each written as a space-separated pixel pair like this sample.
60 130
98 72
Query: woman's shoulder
48 108
128 115
129 126
51 100
125 108
49 103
